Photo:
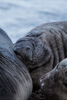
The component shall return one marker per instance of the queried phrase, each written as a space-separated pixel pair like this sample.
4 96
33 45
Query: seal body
43 47
54 83
15 80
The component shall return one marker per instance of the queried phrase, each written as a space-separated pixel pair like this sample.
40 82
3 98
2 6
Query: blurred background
17 17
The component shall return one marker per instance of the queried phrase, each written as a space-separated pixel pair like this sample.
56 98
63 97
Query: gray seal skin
15 80
54 83
42 48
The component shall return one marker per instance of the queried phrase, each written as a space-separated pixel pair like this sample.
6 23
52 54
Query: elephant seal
42 48
54 83
15 80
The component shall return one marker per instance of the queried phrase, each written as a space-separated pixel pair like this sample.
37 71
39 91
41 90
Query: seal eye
65 84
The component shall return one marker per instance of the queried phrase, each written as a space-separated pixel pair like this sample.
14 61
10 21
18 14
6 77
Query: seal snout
24 50
47 80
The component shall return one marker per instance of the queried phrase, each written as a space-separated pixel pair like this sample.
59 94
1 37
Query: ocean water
17 17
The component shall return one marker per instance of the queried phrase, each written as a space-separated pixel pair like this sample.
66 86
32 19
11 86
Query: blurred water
17 17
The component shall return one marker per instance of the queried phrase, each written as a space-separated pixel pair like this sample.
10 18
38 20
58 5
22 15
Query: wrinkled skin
54 83
42 48
32 52
15 80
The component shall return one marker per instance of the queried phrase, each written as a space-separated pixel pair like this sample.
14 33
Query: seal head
32 51
54 83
